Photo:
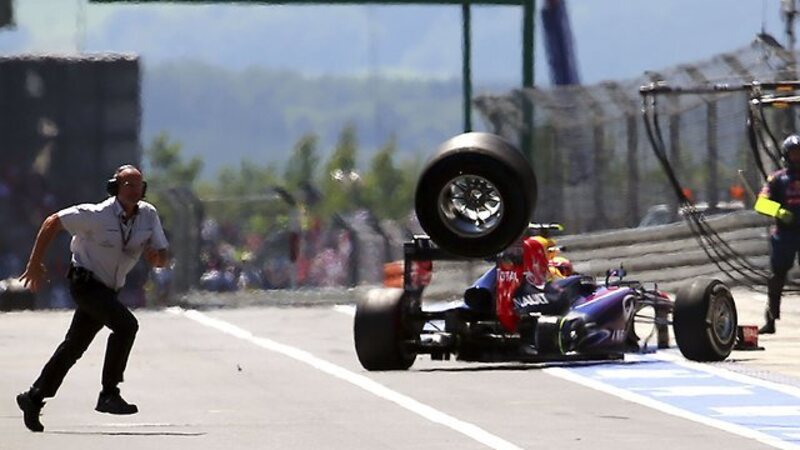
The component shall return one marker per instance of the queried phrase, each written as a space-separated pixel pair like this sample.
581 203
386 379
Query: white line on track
349 310
369 385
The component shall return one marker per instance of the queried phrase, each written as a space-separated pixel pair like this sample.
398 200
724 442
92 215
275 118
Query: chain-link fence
594 163
216 249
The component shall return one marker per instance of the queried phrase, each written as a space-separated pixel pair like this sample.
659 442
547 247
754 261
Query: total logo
507 275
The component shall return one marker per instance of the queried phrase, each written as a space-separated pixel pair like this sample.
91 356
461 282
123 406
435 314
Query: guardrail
667 255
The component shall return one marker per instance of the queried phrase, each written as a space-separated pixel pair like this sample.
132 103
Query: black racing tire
494 164
704 320
547 335
380 331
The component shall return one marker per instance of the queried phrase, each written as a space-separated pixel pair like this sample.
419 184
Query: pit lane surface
289 378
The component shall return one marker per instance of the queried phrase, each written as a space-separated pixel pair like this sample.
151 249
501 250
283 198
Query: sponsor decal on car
531 300
507 275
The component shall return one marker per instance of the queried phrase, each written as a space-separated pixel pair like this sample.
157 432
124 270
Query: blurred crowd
342 252
318 256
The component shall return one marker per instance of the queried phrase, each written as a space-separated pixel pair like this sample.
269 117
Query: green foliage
302 165
248 198
259 199
263 112
340 181
386 188
167 169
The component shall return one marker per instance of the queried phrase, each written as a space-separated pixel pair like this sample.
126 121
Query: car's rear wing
418 256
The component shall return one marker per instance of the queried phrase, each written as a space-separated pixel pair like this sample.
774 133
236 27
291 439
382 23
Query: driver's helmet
562 266
792 142
534 262
549 246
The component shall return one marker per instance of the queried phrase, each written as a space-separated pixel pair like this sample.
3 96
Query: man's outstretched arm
35 271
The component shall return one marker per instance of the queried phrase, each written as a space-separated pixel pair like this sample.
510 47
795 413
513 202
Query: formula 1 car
468 200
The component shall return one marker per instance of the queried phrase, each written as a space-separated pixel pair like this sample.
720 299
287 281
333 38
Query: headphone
112 185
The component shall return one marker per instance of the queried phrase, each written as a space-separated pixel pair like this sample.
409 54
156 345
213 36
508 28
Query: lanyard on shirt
125 238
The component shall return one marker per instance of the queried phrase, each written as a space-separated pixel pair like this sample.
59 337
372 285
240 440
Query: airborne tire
494 163
380 331
704 320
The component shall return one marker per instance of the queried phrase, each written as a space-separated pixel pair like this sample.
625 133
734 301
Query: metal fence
595 166
217 253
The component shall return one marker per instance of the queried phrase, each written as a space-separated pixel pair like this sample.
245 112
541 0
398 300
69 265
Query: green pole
528 42
466 68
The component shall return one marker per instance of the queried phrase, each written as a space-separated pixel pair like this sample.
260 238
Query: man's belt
78 274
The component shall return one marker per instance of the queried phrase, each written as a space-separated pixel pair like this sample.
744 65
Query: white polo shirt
104 244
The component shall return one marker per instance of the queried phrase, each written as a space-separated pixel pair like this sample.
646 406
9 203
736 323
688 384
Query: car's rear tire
476 195
381 331
704 320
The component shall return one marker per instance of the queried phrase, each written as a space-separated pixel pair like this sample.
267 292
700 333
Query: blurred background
281 143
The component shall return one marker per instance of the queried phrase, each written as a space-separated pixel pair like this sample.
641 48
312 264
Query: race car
468 201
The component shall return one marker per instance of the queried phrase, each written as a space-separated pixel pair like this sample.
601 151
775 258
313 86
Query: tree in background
166 165
252 197
301 172
255 199
341 182
386 190
302 165
167 170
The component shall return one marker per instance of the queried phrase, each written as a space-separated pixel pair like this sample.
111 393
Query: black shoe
114 404
768 328
31 408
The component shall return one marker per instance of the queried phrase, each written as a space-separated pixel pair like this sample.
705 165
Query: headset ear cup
112 188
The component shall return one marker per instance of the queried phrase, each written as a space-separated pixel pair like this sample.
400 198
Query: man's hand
785 216
34 275
156 258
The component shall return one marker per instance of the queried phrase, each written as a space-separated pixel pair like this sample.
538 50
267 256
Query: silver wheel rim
470 206
722 321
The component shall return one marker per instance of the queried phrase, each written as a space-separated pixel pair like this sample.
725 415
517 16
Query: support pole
528 42
466 68
790 12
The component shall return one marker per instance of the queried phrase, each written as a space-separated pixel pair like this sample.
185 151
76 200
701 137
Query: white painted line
727 374
759 411
698 391
628 373
668 409
142 425
369 385
349 310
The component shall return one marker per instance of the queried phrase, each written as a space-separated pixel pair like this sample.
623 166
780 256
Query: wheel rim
722 319
470 206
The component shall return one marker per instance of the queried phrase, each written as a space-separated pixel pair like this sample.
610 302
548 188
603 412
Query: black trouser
784 251
774 291
96 306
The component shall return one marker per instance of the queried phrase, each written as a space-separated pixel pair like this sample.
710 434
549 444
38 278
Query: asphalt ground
780 359
280 377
